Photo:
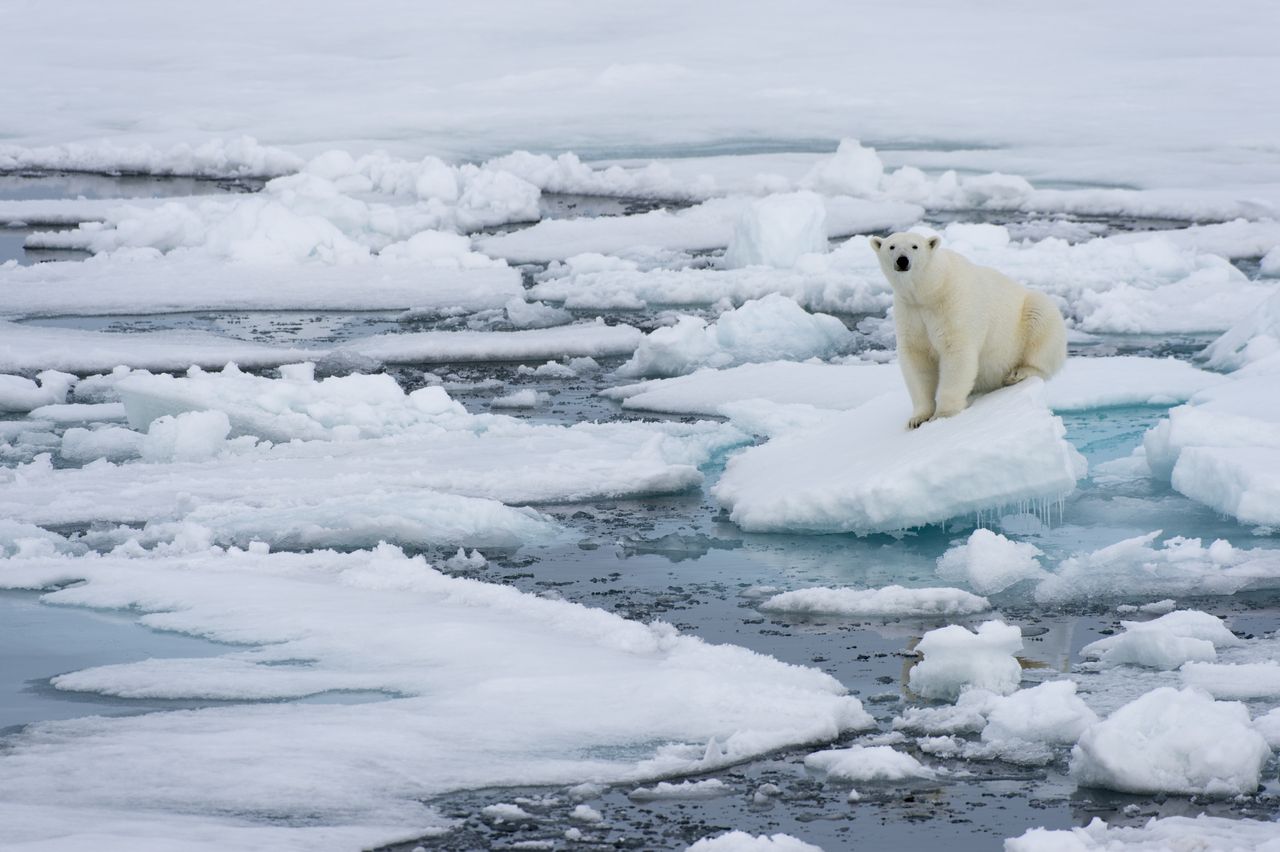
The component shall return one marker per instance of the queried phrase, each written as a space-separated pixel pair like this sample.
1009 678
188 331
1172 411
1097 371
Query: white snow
1005 449
766 329
741 841
1157 835
860 764
581 340
888 601
1166 642
192 436
777 230
1172 741
1234 680
955 658
988 562
452 654
527 398
1049 714
1254 337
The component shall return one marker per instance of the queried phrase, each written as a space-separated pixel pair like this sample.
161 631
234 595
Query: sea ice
453 655
741 841
955 659
777 230
21 394
767 329
1084 383
887 602
1157 835
989 563
863 471
1173 741
867 763
1180 566
1165 642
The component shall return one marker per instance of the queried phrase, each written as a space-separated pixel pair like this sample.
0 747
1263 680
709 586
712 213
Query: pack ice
862 471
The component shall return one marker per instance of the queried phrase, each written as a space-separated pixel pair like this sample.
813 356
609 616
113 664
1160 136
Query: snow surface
1173 741
451 654
890 478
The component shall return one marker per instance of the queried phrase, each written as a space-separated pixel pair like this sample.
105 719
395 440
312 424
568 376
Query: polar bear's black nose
903 263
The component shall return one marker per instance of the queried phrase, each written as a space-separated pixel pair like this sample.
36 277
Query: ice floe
1157 835
451 654
888 601
1173 741
955 658
988 562
766 329
867 763
888 478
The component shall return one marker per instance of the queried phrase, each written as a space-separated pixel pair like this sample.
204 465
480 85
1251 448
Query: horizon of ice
353 766
896 478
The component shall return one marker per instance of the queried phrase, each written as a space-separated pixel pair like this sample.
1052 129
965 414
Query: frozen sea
481 429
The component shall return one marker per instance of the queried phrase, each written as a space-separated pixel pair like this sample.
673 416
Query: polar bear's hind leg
1046 340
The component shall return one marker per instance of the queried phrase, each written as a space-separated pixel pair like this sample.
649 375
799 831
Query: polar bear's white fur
963 328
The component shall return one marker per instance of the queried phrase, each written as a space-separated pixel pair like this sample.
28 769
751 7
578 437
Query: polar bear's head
904 253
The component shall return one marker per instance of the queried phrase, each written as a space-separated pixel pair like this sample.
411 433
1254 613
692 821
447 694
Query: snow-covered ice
888 602
741 841
769 329
955 658
777 230
989 563
1166 642
1006 449
1173 741
451 654
867 763
1157 835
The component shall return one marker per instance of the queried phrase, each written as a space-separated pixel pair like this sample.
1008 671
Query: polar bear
963 328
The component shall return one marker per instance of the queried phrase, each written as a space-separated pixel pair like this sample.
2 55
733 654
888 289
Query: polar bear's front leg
920 369
957 373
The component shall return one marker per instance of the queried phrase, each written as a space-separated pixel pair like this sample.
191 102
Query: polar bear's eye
913 248
891 248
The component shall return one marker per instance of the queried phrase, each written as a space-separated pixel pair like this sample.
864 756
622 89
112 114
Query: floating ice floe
1164 643
867 763
559 681
1083 383
581 340
1223 447
1157 835
709 788
955 658
1179 566
1173 741
1237 681
402 463
888 601
989 563
741 841
767 329
863 471
20 394
1253 338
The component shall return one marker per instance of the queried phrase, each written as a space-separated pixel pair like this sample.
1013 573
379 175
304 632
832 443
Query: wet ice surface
680 560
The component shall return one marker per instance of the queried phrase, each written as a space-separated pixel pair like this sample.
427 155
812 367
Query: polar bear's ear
876 242
933 242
